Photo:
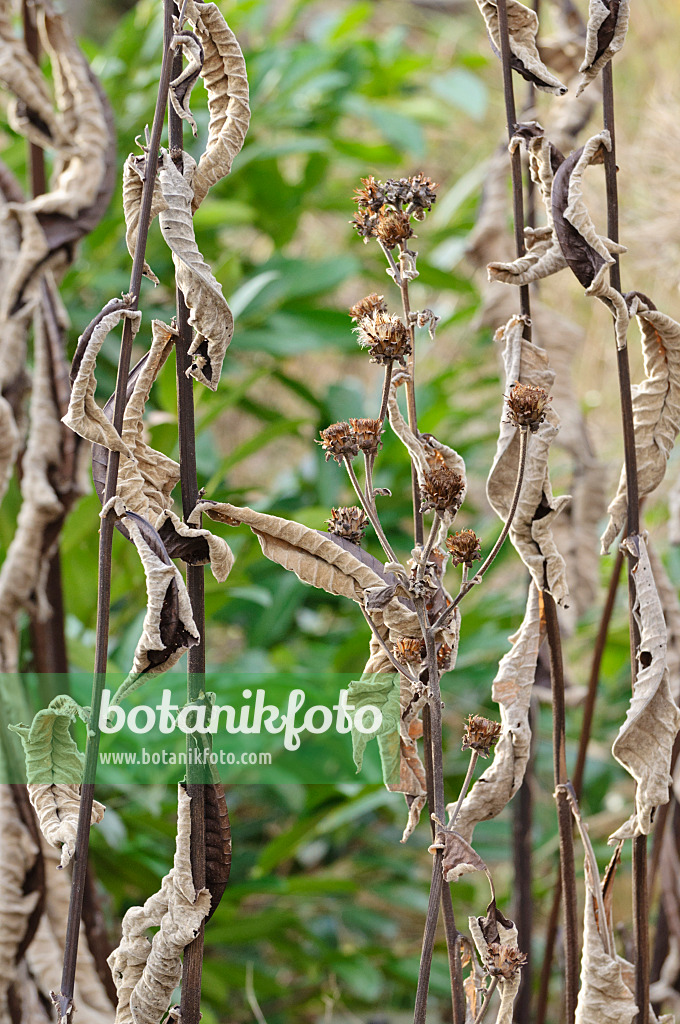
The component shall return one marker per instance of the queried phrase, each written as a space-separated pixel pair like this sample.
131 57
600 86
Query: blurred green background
325 907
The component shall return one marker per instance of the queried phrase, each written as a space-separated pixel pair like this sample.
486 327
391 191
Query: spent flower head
465 548
480 734
373 303
349 522
417 192
408 650
504 961
367 435
371 196
393 227
527 405
339 442
444 655
385 336
365 223
442 490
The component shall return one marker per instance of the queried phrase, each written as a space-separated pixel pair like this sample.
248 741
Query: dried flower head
394 226
504 961
339 442
527 405
407 650
367 435
365 224
349 522
418 192
442 490
386 337
444 653
371 196
373 303
465 548
480 734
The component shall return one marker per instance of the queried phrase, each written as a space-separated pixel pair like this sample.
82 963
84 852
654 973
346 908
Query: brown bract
373 303
367 433
527 405
480 734
496 940
393 227
443 491
465 548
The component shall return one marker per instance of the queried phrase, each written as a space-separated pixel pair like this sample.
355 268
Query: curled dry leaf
226 82
9 440
531 530
605 35
217 843
169 628
209 313
656 409
512 691
180 87
146 973
133 186
57 807
523 29
84 416
588 254
459 858
495 932
645 740
17 906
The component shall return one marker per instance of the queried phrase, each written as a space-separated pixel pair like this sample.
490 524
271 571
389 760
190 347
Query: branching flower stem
468 584
427 550
369 509
487 1001
640 889
386 391
401 669
474 757
64 999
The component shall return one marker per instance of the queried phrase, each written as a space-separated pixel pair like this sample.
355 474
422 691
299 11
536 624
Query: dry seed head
365 224
527 405
393 227
418 191
444 653
408 650
373 303
338 442
367 435
504 961
349 522
480 734
386 337
442 490
371 196
465 548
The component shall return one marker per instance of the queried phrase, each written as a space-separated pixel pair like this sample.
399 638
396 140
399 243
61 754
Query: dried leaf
17 905
9 441
605 35
134 170
645 740
523 29
57 806
588 254
512 691
84 416
169 628
459 858
146 973
194 545
656 409
531 530
180 87
226 82
209 313
217 844
52 755
491 930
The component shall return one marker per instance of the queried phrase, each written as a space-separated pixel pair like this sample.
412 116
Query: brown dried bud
348 522
365 224
371 196
386 337
464 547
444 653
443 490
367 435
504 961
417 191
393 226
480 734
338 442
527 405
373 303
407 650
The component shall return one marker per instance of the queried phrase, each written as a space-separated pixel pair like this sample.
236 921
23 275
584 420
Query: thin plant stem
395 664
370 512
487 1001
467 585
523 912
640 890
427 550
566 838
474 757
64 999
192 964
412 415
386 391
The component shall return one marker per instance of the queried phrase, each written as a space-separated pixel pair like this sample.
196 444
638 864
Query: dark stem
412 415
640 892
65 996
385 391
523 900
36 155
567 867
516 157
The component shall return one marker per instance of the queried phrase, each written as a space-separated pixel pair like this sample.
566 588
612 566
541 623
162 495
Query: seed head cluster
527 405
480 734
385 336
367 434
465 548
442 490
504 961
408 650
348 522
373 303
338 442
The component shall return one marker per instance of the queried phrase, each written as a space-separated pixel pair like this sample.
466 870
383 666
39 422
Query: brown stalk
64 999
412 415
640 890
523 902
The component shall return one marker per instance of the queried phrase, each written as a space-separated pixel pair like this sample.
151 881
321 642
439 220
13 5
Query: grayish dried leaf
523 29
605 35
